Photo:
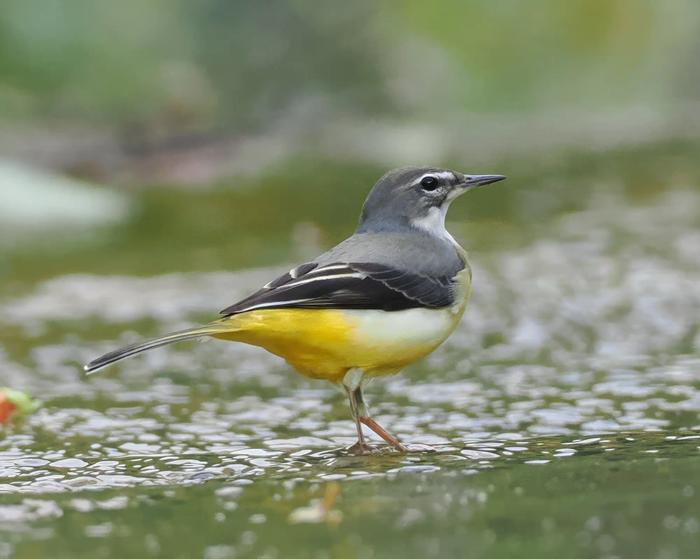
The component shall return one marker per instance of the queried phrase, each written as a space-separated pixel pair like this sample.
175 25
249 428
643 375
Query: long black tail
133 349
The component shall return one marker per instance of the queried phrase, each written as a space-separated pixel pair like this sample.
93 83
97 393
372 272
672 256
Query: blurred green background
148 147
276 115
235 67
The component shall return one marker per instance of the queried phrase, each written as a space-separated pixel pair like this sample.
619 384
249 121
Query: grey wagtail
381 299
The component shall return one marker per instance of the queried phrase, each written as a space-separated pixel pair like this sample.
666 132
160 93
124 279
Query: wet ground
563 416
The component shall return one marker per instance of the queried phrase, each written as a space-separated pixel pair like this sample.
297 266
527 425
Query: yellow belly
326 343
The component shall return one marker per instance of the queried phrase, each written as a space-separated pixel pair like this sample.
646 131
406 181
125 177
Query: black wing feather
429 291
349 286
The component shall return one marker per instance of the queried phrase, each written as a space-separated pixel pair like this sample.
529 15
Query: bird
383 298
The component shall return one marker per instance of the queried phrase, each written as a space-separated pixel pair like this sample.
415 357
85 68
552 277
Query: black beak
473 181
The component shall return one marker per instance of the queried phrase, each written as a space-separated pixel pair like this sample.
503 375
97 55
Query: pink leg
393 441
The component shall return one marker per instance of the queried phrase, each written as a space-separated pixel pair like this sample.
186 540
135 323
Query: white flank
401 328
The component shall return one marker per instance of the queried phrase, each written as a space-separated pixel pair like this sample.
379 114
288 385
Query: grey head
416 198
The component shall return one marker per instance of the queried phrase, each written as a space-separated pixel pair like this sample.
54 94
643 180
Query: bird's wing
349 286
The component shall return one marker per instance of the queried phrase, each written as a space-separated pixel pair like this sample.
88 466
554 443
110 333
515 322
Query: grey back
410 250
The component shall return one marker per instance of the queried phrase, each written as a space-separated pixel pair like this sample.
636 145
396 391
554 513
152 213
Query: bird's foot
361 448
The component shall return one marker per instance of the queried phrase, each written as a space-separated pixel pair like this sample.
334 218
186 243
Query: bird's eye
429 183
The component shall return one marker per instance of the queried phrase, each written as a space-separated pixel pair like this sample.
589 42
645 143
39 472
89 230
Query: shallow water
563 417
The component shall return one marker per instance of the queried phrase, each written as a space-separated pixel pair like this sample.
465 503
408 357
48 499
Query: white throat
434 223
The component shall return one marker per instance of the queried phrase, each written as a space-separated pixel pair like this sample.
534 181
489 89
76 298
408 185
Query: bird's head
416 197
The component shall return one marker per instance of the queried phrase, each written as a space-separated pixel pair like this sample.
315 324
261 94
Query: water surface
563 415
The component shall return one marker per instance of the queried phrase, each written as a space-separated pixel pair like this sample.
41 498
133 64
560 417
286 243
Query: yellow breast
326 343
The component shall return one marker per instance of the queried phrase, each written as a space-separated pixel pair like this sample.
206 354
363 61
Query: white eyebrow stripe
447 175
323 278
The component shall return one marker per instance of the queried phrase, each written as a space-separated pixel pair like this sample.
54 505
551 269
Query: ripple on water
575 344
